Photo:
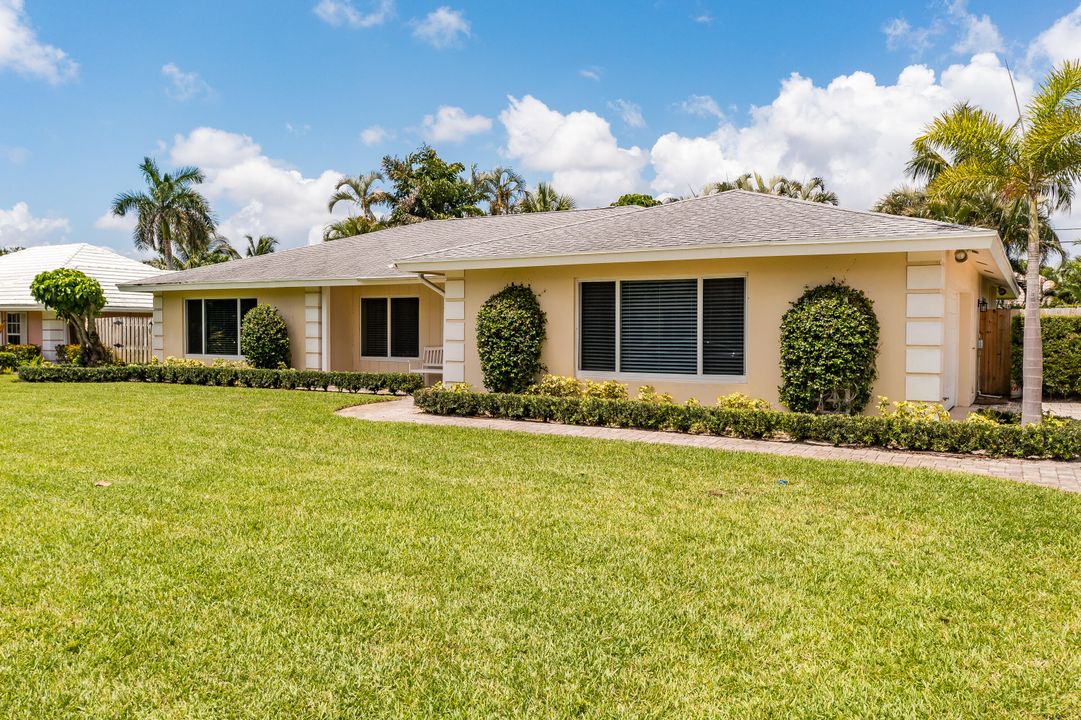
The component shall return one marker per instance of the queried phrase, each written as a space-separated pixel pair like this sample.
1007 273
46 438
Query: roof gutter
431 285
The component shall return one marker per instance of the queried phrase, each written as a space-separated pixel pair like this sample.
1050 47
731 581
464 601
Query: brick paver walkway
1048 473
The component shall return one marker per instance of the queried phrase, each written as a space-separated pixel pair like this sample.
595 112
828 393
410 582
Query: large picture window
14 328
692 327
213 326
390 327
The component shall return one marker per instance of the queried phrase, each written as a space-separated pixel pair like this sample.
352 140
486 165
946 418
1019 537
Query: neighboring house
23 321
686 296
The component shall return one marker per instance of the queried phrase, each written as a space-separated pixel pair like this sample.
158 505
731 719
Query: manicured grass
256 556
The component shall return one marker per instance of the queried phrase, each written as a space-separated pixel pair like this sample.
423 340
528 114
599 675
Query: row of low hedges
1061 354
228 377
1059 442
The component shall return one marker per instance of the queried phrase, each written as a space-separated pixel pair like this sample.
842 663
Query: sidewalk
1046 473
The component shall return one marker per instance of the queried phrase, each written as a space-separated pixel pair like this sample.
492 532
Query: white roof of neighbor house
18 270
729 224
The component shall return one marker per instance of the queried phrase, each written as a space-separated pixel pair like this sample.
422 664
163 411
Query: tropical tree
77 299
545 199
1036 160
350 226
265 245
205 251
982 210
361 192
1066 281
8 250
813 190
636 199
170 213
426 187
502 187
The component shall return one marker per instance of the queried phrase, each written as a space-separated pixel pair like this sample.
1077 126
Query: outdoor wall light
960 255
982 305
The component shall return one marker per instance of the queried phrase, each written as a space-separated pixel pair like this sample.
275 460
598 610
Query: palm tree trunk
167 246
1032 363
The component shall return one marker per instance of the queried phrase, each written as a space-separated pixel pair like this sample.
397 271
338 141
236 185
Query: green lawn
258 557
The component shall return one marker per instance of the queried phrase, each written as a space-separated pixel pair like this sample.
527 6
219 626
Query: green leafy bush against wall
264 339
228 377
1061 354
829 342
8 362
510 333
1053 440
24 354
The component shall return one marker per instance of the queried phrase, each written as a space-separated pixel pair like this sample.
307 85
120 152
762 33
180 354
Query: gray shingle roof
373 255
729 218
734 217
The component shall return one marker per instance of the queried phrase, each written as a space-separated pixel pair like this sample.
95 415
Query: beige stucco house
686 296
24 321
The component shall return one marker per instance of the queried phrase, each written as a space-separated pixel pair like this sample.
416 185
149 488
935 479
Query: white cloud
1061 41
702 106
108 221
442 28
854 132
299 129
452 124
703 18
343 12
21 51
900 34
19 227
374 135
14 154
578 149
593 73
978 33
273 198
630 112
184 85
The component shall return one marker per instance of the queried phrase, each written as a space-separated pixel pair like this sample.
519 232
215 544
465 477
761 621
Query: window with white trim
14 329
683 327
213 325
390 327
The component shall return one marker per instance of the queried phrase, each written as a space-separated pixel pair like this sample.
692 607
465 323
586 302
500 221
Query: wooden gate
129 336
994 376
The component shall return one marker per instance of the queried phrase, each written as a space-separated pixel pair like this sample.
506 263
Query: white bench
431 360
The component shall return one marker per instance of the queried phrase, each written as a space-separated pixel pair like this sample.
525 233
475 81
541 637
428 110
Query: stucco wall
772 284
345 324
288 301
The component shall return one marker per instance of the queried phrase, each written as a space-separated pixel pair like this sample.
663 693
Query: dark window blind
405 327
658 327
195 327
723 326
373 327
222 331
597 343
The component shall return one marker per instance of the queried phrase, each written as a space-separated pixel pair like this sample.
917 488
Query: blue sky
276 100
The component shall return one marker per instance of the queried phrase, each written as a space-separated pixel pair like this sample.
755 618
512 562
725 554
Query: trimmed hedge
228 377
23 353
1061 354
1061 442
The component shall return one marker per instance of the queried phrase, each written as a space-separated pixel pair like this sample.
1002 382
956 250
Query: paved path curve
1047 473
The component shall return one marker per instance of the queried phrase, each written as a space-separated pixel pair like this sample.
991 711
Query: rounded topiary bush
264 339
829 342
510 332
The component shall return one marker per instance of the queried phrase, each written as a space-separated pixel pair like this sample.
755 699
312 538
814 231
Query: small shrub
649 394
606 390
739 401
69 354
913 410
829 341
557 386
183 362
8 362
264 339
24 354
234 364
510 333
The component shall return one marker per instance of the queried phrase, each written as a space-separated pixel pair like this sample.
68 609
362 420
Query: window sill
205 356
668 377
384 358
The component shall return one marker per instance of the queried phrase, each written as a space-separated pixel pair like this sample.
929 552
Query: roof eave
257 284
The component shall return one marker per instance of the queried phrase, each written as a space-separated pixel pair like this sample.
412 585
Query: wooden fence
129 336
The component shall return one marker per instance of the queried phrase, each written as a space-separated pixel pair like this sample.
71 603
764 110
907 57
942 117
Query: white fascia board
974 241
257 284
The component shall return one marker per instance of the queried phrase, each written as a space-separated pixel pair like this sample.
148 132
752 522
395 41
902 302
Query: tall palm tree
544 199
503 188
265 245
170 213
9 250
361 192
209 251
350 226
1035 160
814 190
